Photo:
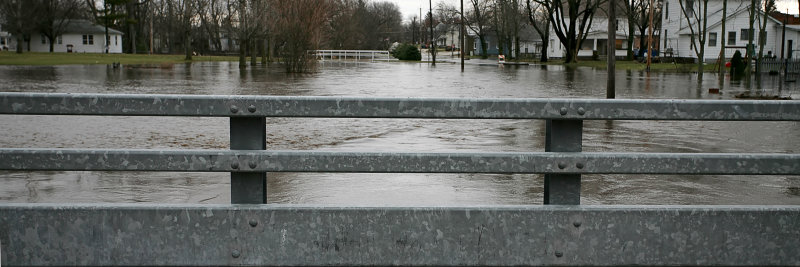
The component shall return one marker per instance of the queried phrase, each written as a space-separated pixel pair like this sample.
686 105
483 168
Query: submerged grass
633 65
36 58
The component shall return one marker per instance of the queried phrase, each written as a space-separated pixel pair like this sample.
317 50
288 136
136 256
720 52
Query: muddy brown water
389 80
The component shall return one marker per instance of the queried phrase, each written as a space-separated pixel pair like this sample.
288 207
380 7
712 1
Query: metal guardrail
38 234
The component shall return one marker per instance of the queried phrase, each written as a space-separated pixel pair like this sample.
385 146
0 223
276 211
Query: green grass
35 58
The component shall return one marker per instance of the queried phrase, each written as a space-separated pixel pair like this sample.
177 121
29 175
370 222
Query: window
731 38
2 41
44 39
745 35
88 39
665 36
116 42
666 10
616 25
60 39
712 39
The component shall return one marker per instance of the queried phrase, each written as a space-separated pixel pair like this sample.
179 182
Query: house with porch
677 35
596 37
530 43
79 36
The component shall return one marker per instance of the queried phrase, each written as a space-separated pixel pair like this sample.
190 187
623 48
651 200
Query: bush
407 52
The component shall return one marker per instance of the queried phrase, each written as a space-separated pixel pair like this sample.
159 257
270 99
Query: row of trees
569 20
264 28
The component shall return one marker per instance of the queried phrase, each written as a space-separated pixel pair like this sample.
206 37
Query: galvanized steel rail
292 235
377 162
429 108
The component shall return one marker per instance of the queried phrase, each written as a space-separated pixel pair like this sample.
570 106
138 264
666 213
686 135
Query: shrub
407 52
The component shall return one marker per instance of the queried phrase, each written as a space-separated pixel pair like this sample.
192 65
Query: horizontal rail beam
311 161
208 235
432 108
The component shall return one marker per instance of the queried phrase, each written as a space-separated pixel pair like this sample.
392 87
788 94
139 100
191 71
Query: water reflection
389 80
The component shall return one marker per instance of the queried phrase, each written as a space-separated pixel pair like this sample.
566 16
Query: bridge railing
44 234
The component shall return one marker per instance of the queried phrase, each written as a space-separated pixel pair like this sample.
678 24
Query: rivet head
253 223
252 164
562 165
559 254
563 111
576 224
235 165
235 253
579 165
234 109
581 111
251 108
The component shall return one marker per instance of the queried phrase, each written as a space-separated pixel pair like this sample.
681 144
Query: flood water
401 135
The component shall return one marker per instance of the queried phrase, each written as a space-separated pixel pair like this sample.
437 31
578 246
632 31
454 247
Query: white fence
353 55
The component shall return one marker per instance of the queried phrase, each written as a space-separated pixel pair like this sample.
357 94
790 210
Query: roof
84 26
716 17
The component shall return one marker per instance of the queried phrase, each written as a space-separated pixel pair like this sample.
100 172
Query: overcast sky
411 7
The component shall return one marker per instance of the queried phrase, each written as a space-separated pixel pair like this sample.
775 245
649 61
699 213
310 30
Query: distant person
737 65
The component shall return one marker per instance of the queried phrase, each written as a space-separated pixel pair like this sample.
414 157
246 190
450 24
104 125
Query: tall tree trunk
20 41
187 32
253 59
631 30
262 50
611 57
432 48
242 35
484 49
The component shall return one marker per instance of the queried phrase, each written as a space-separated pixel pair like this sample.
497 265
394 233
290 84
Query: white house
530 43
7 42
596 39
80 36
677 36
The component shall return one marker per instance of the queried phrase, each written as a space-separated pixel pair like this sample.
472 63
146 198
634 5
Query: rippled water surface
389 80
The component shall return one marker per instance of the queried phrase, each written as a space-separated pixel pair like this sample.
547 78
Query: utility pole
612 49
783 35
723 41
464 37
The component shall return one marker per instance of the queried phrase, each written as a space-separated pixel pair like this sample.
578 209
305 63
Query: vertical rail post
563 136
248 133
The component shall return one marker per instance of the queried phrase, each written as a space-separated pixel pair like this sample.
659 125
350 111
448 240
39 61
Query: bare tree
570 20
478 19
188 13
53 17
18 19
538 18
299 24
697 18
769 6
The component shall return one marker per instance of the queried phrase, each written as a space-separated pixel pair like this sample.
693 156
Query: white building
677 34
596 39
80 36
7 42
